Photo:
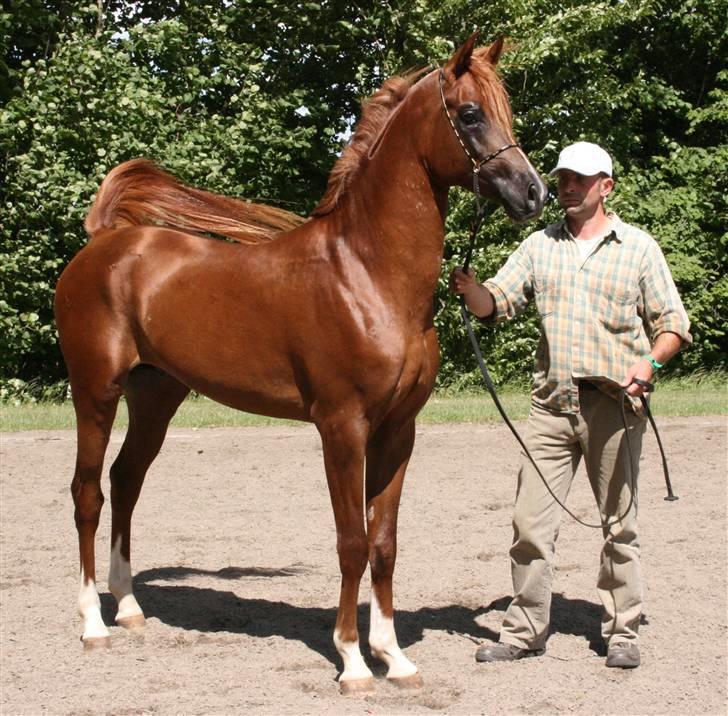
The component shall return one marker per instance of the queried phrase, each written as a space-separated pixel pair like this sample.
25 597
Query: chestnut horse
328 321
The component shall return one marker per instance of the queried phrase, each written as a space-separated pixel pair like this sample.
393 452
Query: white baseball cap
584 158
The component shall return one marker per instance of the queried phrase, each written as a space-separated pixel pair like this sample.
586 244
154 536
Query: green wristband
655 365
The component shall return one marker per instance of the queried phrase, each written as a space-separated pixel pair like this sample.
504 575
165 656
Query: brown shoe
623 655
504 652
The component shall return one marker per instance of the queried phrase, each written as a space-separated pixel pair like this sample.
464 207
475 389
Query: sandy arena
233 547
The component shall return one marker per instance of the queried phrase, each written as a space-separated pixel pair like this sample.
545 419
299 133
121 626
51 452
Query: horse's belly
250 383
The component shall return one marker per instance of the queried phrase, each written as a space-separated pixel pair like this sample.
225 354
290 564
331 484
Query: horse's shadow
209 610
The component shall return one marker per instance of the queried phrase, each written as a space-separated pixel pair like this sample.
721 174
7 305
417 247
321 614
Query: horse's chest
418 366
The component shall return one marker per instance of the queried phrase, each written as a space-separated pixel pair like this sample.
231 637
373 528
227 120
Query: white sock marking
354 666
120 584
89 607
383 642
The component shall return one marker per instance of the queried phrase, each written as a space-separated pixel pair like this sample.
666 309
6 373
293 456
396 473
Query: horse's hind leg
387 456
152 399
95 410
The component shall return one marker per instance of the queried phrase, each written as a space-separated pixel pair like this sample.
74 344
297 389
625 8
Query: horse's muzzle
523 204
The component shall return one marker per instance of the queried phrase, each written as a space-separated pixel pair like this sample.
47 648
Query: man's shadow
210 610
571 616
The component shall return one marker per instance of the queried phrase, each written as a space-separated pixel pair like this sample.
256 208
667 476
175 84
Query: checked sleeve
663 310
512 286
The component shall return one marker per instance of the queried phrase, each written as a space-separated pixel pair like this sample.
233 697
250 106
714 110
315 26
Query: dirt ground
236 569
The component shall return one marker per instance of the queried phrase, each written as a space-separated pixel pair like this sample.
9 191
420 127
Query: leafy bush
253 99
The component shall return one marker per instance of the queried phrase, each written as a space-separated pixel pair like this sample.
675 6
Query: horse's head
475 126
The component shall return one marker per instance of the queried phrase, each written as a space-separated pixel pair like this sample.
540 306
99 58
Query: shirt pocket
545 296
617 306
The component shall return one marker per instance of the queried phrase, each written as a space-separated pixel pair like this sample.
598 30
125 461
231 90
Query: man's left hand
642 370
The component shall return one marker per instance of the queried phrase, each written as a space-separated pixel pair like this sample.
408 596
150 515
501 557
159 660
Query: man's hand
642 370
477 297
664 348
461 282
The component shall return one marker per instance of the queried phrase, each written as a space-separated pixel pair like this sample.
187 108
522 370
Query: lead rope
475 227
671 496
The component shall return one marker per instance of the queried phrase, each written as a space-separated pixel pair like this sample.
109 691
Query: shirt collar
616 228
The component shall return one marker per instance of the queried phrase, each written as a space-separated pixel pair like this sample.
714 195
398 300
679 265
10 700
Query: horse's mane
375 112
379 107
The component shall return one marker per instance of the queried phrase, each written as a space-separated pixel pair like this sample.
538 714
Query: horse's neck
394 217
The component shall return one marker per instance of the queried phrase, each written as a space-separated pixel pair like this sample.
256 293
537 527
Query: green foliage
646 80
252 99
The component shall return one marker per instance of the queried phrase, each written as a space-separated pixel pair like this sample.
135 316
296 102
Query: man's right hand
461 282
478 298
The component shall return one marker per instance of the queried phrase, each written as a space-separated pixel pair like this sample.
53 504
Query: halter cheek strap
477 163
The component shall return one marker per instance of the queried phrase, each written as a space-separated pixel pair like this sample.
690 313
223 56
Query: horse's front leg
387 456
343 448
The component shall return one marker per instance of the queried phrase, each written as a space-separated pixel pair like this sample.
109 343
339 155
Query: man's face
581 196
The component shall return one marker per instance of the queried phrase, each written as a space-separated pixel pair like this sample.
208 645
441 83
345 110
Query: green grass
696 395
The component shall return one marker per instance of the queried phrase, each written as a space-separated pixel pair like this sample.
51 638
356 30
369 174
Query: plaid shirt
598 316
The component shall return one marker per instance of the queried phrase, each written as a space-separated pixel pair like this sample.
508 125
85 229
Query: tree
253 99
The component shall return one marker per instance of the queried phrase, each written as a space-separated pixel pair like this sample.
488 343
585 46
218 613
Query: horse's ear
460 61
495 51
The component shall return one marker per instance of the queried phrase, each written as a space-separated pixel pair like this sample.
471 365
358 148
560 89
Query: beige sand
234 555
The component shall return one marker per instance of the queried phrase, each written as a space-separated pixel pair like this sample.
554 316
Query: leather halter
477 163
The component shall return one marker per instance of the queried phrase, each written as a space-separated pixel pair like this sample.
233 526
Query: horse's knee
352 553
88 500
382 556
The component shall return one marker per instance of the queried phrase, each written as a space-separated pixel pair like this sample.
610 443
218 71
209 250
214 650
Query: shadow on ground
210 610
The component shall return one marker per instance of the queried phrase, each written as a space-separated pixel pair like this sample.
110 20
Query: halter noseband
477 163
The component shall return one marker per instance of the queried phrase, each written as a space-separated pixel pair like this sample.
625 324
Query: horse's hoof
135 622
96 643
413 681
357 687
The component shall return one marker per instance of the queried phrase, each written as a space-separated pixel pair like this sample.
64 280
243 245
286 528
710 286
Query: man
610 314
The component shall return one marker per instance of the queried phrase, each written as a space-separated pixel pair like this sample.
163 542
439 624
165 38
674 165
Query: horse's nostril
532 193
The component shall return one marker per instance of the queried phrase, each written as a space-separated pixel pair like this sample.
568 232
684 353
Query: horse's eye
470 116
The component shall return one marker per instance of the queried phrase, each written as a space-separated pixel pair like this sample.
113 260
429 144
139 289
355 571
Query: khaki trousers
557 442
